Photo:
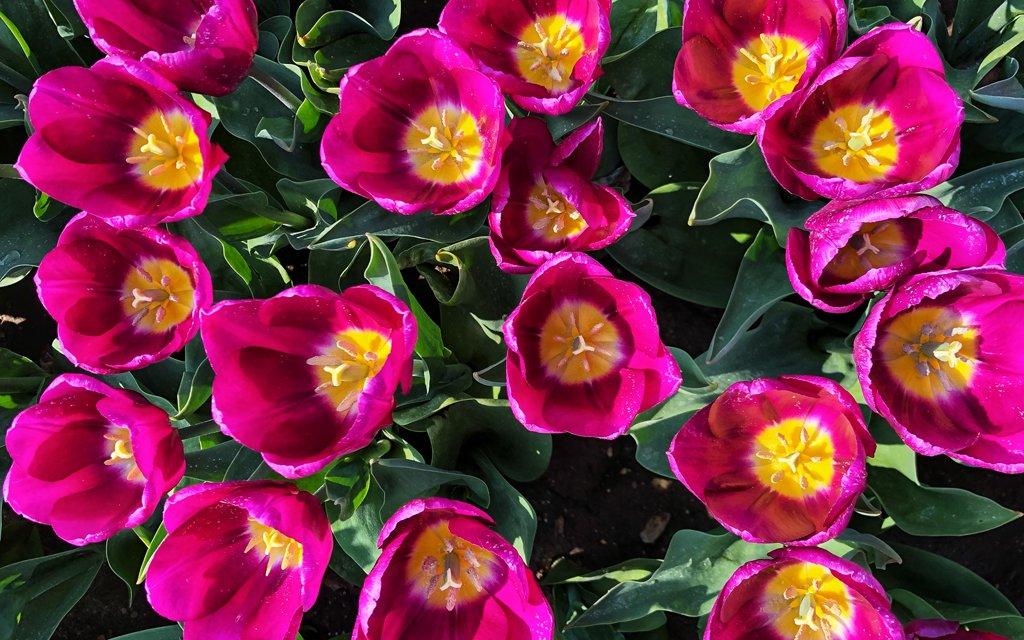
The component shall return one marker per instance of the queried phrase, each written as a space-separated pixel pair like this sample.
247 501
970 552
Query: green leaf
172 632
890 451
656 160
633 22
318 23
646 70
154 543
664 116
982 190
196 384
371 218
513 515
36 594
125 553
932 511
20 380
25 239
403 480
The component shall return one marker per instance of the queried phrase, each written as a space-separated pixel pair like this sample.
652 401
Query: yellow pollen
794 458
548 51
767 68
157 295
165 151
579 343
268 542
447 570
876 245
856 142
808 603
121 454
444 145
344 368
552 216
930 350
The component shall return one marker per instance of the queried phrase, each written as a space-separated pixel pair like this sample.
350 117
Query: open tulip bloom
584 353
545 54
205 46
90 460
802 594
241 560
945 630
443 573
776 459
545 202
118 141
420 128
852 249
741 61
880 120
940 359
122 298
310 374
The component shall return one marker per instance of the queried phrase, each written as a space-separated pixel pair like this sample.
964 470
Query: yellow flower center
447 570
268 542
343 369
548 51
808 602
769 67
876 245
794 458
579 343
552 216
165 151
932 351
444 145
856 142
119 450
157 295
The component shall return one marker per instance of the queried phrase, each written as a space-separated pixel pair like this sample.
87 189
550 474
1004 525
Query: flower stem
276 89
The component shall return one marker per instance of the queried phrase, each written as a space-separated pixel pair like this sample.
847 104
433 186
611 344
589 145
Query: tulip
241 560
852 249
584 354
310 374
741 61
90 460
444 573
776 459
545 202
879 121
544 53
122 298
118 141
939 357
205 46
945 630
419 128
803 594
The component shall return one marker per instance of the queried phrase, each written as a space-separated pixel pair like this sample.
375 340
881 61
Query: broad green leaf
403 480
371 218
664 116
513 515
196 384
125 553
890 451
172 632
633 22
36 594
318 22
25 239
982 190
646 70
20 380
657 161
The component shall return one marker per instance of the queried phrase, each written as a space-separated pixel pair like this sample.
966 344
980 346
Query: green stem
275 88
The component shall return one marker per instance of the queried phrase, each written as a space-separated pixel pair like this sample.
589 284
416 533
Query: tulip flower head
935 358
776 459
122 298
241 560
802 594
444 573
771 49
584 354
118 141
545 54
310 374
419 128
852 249
945 630
205 46
545 202
90 460
881 120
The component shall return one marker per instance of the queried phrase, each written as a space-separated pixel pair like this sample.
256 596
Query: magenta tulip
945 630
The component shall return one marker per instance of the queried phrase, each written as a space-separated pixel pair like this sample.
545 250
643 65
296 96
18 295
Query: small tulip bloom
444 573
802 594
545 202
881 121
776 459
545 54
419 128
241 560
204 46
310 374
584 354
852 249
939 358
90 460
122 298
945 630
741 61
118 141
